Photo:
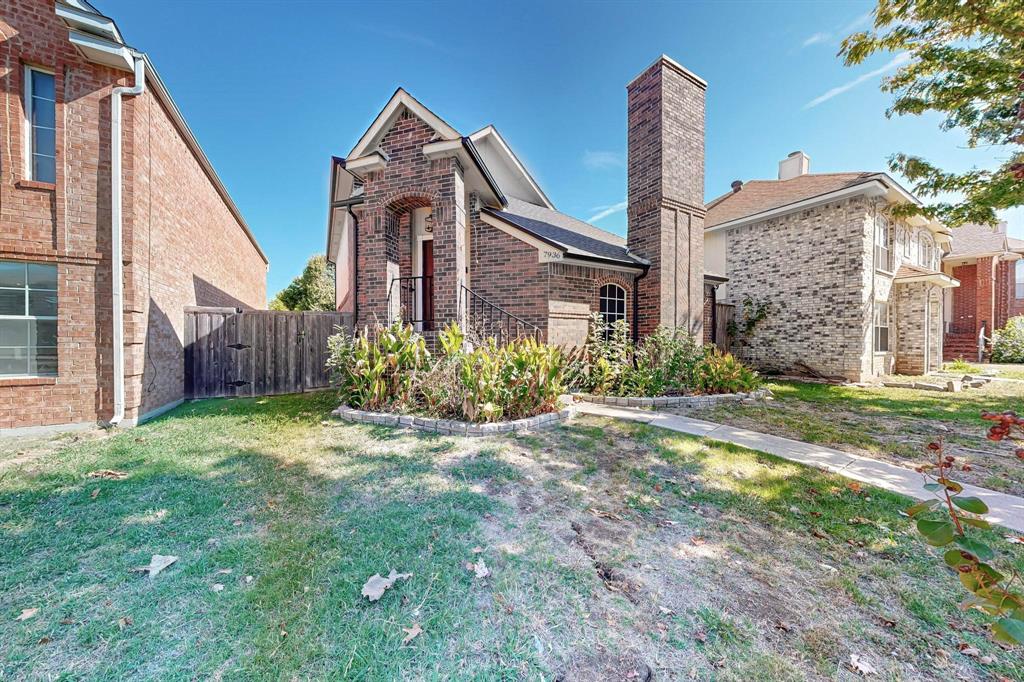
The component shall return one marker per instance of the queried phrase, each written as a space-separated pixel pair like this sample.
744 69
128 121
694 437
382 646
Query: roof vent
736 185
794 165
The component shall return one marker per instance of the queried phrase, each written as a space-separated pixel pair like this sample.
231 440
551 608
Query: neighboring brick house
990 268
854 291
182 240
431 226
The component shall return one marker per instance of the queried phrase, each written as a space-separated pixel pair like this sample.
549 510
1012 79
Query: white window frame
879 307
601 298
1018 280
28 105
27 289
882 233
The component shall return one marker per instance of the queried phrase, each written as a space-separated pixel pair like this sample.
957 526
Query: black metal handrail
489 320
411 300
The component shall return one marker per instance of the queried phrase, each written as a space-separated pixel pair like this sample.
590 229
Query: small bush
1008 342
960 365
667 362
394 370
719 372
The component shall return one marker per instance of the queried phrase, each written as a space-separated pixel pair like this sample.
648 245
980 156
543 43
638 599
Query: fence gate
256 352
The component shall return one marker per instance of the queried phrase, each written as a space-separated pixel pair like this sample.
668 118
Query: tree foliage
312 290
965 61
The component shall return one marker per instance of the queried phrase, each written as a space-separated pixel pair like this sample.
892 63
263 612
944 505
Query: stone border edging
453 427
675 400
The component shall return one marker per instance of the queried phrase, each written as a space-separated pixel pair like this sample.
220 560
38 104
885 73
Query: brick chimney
666 194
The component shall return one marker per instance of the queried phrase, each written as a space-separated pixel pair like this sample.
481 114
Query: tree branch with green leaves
966 62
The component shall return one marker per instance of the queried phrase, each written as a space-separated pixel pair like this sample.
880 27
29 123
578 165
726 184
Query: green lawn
614 549
890 423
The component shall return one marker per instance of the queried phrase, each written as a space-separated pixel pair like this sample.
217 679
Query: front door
427 288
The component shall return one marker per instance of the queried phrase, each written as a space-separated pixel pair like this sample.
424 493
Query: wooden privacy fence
256 352
724 313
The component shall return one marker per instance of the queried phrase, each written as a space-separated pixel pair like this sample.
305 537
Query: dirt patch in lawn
855 424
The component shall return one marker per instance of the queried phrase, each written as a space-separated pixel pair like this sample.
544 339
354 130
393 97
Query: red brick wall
506 272
965 298
666 194
986 298
177 223
410 180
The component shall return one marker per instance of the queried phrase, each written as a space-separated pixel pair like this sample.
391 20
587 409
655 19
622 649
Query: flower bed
454 427
674 400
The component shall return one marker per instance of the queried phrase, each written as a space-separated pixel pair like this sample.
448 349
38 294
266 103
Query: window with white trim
883 260
28 319
881 325
925 251
612 301
1018 279
41 126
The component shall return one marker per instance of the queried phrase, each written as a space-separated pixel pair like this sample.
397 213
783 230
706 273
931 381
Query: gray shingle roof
973 240
575 236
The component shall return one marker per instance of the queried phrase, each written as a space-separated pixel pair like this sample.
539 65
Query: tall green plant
379 369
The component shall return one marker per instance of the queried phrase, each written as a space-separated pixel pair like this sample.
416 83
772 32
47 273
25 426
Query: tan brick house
430 225
853 291
112 220
989 265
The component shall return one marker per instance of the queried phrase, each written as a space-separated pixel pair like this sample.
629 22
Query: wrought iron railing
411 300
485 319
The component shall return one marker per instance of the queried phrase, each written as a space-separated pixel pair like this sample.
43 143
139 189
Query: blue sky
272 90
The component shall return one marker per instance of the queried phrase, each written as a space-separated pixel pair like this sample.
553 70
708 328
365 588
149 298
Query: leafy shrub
1008 342
719 372
667 362
490 382
380 370
961 366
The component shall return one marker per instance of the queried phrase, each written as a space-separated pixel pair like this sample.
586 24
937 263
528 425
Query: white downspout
116 226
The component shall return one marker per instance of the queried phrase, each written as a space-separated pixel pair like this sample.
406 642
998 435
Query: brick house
429 225
112 220
990 268
854 291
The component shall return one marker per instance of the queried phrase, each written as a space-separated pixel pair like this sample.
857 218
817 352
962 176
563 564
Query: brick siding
666 194
182 245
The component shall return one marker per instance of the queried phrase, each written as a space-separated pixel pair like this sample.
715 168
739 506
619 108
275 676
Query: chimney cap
736 185
796 153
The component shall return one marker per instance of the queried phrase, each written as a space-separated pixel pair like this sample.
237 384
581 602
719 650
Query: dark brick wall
504 270
666 194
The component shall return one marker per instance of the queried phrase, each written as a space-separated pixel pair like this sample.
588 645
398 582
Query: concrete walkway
1006 510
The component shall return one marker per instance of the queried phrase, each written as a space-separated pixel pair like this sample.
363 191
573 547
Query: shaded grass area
614 549
889 423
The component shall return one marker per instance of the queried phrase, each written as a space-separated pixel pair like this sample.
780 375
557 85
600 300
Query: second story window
41 132
925 245
883 260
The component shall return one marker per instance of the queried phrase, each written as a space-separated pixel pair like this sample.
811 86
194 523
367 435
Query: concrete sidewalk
1006 510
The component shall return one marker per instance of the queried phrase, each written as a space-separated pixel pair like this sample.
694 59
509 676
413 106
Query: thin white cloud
860 22
605 211
845 30
894 63
817 38
602 160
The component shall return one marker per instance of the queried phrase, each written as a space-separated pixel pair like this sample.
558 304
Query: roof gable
510 173
758 196
401 101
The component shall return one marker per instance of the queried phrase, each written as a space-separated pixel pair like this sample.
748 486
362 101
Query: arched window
613 304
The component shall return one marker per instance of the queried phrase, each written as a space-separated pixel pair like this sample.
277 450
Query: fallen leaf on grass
479 568
604 514
68 621
44 640
968 650
783 625
411 633
819 534
855 487
1015 539
108 473
158 563
95 493
861 666
249 579
375 586
124 621
700 636
886 622
223 571
217 587
477 550
26 614
697 540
